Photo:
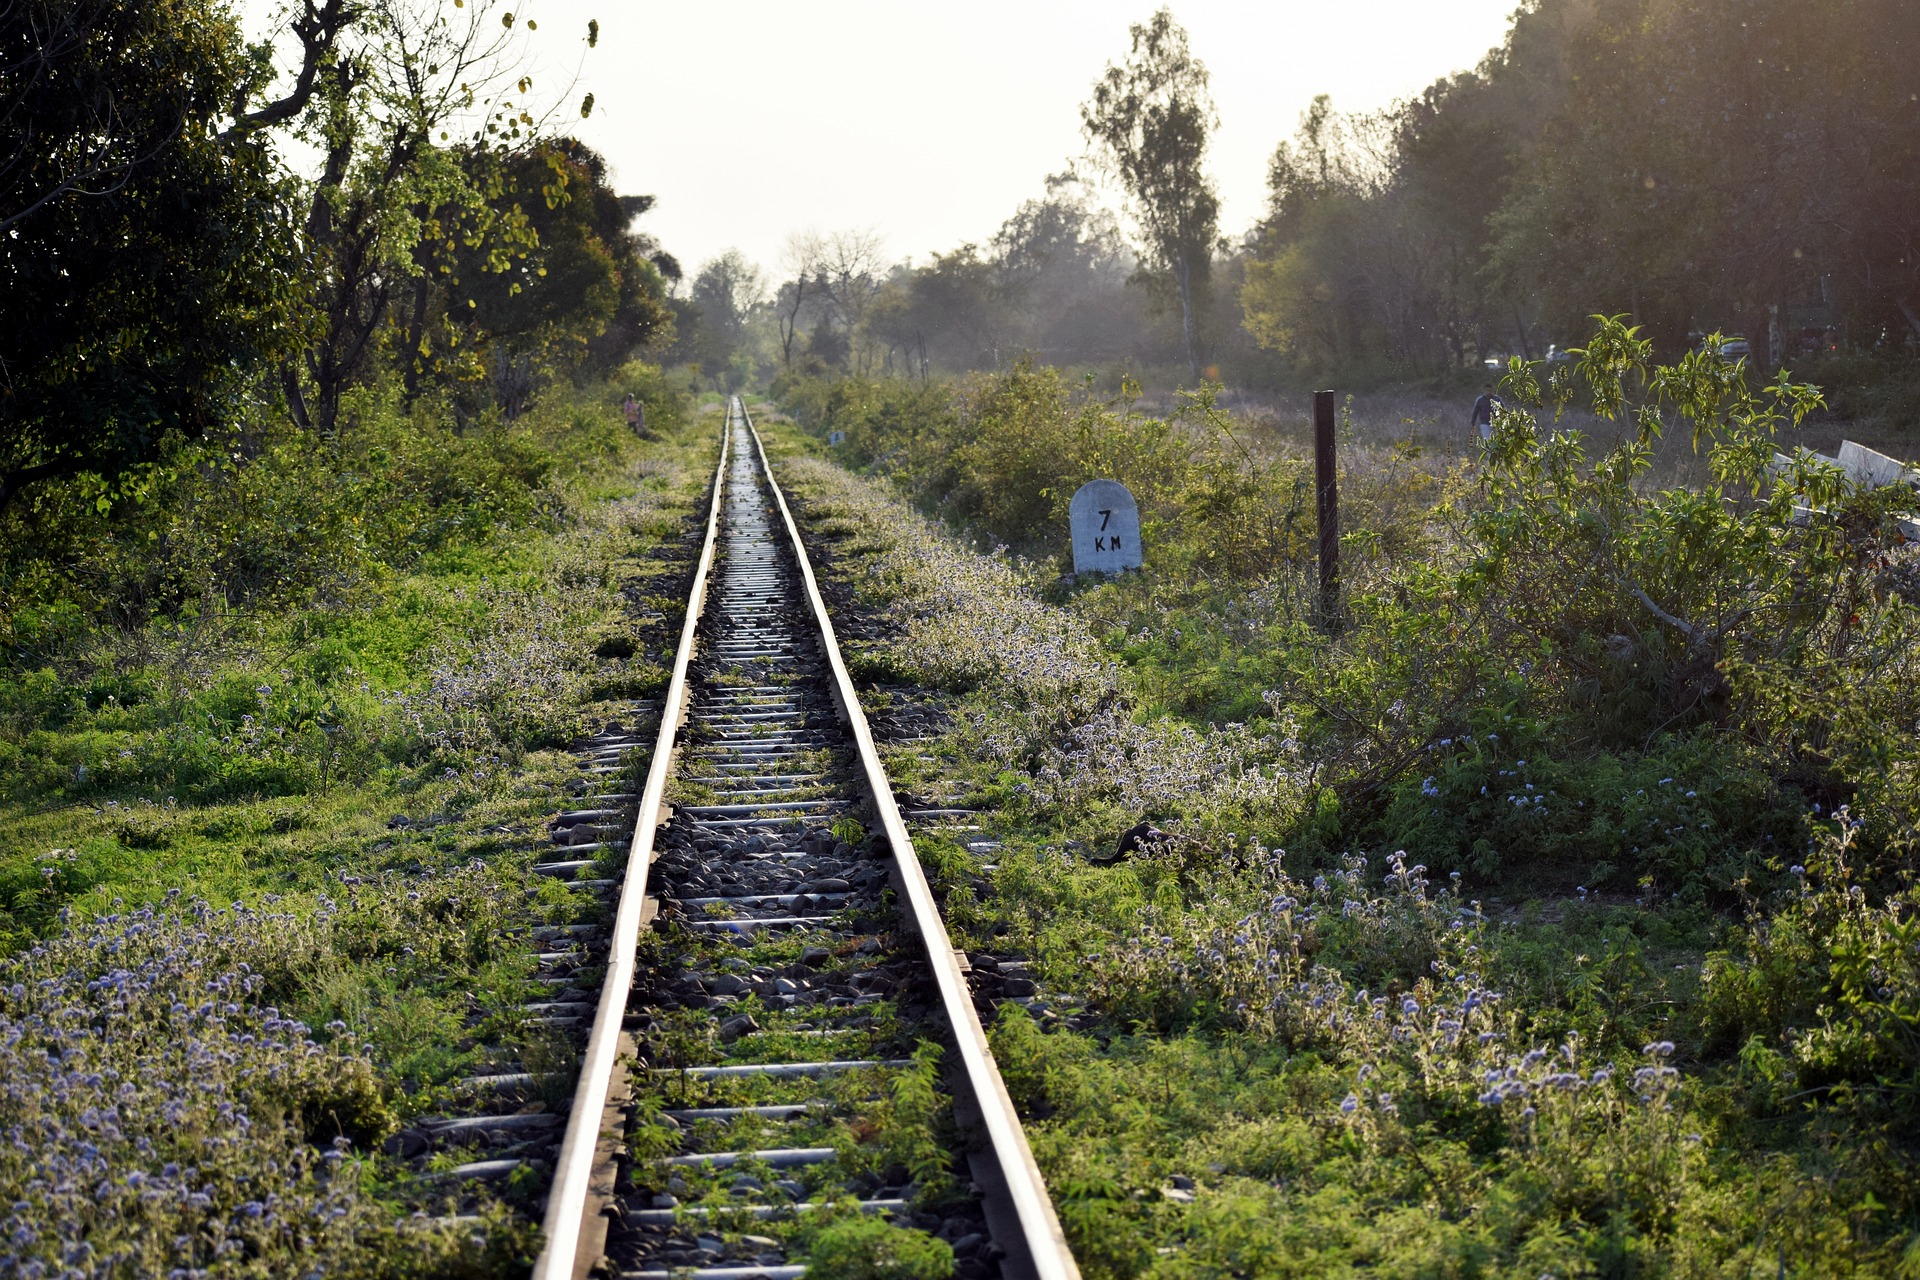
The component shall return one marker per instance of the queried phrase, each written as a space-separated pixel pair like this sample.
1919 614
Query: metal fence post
1327 506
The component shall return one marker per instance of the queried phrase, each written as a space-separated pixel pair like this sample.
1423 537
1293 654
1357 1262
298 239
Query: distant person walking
1483 412
636 415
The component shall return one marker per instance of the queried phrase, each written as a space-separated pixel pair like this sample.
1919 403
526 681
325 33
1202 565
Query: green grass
1208 1089
372 756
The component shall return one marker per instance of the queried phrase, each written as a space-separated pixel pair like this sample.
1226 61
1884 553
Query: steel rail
1040 1236
573 1199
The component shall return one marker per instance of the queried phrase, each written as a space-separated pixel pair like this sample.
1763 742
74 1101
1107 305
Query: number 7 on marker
1104 517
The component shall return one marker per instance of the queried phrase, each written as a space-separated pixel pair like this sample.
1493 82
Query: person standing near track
636 416
1483 412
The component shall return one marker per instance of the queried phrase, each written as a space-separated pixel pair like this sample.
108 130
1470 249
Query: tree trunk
1185 275
791 325
12 482
296 398
1913 321
325 413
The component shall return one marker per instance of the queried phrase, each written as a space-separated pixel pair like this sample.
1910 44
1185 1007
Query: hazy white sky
749 119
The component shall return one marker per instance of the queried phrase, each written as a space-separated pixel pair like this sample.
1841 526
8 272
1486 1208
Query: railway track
783 1030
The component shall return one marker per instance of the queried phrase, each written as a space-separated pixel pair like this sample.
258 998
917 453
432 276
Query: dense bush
272 516
504 671
318 672
1612 631
1621 630
1879 386
132 635
1008 451
1821 995
1503 803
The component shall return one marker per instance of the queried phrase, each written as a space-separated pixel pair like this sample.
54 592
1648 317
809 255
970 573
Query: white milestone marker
1106 528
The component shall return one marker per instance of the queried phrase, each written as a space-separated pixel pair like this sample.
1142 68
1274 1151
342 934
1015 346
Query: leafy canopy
149 264
1151 117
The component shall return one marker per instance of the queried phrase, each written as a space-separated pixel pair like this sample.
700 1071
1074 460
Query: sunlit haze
930 123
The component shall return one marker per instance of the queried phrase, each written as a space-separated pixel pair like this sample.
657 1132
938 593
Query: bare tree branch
802 260
1696 636
318 28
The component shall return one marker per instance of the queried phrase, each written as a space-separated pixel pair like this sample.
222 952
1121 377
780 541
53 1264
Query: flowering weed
161 1118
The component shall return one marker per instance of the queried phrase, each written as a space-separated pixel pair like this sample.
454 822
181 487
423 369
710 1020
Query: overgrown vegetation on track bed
1554 916
326 682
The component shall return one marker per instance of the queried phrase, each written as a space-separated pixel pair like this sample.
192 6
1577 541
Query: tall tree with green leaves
414 75
146 258
550 277
1149 121
728 291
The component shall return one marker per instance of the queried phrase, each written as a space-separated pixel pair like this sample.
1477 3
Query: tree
1063 267
1150 119
1056 232
727 292
958 296
1305 294
1053 280
1352 268
849 273
147 263
832 280
382 111
1699 166
1712 166
646 316
575 274
827 345
1628 220
801 261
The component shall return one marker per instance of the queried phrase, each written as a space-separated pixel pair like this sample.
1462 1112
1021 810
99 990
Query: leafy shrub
863 1248
236 737
272 515
1008 451
1611 619
1503 804
504 667
1826 987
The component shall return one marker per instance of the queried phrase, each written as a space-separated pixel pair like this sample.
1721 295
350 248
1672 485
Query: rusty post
1327 506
